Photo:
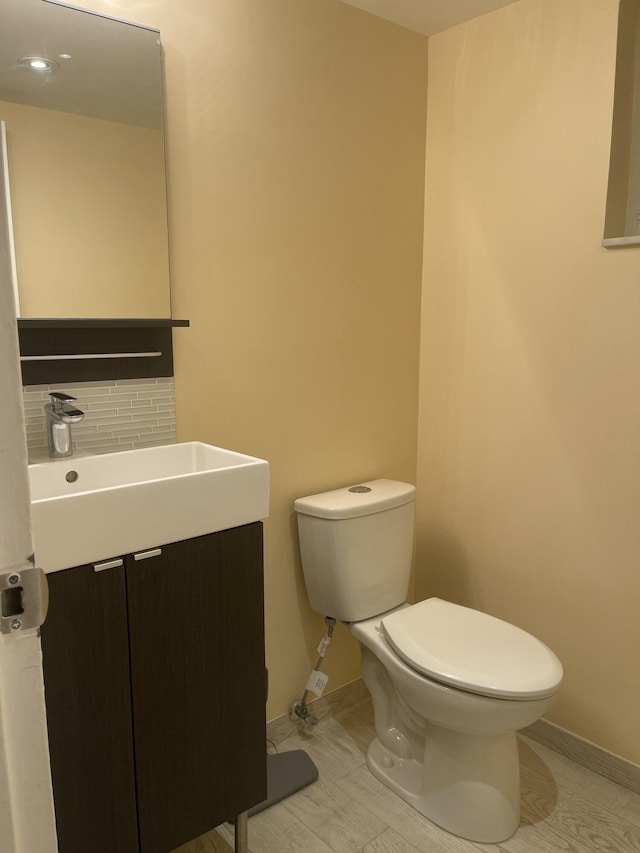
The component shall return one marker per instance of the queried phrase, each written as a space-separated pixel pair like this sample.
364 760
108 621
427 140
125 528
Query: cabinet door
87 688
198 681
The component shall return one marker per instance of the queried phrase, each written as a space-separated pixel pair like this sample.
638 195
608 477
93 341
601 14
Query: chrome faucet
59 417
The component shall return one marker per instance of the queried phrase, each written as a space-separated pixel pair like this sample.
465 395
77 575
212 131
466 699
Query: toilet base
468 785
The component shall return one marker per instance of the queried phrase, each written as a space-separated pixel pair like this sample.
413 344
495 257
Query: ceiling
114 69
428 16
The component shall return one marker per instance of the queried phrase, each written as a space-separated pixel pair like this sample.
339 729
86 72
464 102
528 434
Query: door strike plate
24 599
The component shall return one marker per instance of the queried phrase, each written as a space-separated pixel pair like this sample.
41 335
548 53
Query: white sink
86 509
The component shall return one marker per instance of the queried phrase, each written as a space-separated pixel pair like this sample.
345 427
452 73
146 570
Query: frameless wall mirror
622 222
81 108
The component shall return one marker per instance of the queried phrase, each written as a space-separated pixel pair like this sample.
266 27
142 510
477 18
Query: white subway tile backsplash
130 429
104 406
119 415
149 442
131 434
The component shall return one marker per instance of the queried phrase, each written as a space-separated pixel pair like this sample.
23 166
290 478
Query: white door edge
27 820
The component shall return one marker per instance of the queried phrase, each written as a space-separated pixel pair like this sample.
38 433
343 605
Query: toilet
450 686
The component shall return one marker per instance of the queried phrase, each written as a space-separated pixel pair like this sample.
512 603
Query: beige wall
529 450
89 215
296 133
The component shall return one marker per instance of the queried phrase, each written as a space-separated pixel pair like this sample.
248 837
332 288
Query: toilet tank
356 545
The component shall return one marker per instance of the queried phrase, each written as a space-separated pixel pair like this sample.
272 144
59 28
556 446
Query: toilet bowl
448 751
449 685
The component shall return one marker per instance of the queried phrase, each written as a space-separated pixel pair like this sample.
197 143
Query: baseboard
586 754
333 703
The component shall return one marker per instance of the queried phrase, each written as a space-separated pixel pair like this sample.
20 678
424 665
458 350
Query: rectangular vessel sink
86 509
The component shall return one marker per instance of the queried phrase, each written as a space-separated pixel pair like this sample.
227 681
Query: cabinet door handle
144 555
108 564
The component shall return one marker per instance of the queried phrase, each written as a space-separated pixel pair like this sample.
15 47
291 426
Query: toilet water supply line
317 680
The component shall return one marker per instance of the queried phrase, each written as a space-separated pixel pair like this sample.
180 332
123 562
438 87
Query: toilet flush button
360 490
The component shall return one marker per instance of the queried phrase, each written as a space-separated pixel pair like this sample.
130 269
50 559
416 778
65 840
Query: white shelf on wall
620 242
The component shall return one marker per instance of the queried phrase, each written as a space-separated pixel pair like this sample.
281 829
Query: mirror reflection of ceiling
88 82
428 17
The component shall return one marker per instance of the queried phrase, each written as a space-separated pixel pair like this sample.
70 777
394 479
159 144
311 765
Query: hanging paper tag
317 682
323 645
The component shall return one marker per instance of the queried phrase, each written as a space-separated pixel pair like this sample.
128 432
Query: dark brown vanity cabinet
155 690
88 696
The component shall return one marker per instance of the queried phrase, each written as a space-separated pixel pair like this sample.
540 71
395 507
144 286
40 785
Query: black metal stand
241 844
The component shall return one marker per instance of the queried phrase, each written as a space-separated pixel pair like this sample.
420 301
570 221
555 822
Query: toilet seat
472 651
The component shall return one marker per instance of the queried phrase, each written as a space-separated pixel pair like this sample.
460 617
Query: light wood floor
564 807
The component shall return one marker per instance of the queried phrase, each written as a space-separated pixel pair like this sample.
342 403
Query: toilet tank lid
354 501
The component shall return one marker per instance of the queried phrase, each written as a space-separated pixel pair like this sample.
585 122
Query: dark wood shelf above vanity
69 349
97 323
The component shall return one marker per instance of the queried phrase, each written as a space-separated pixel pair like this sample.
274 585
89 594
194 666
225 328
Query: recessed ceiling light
38 63
64 56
